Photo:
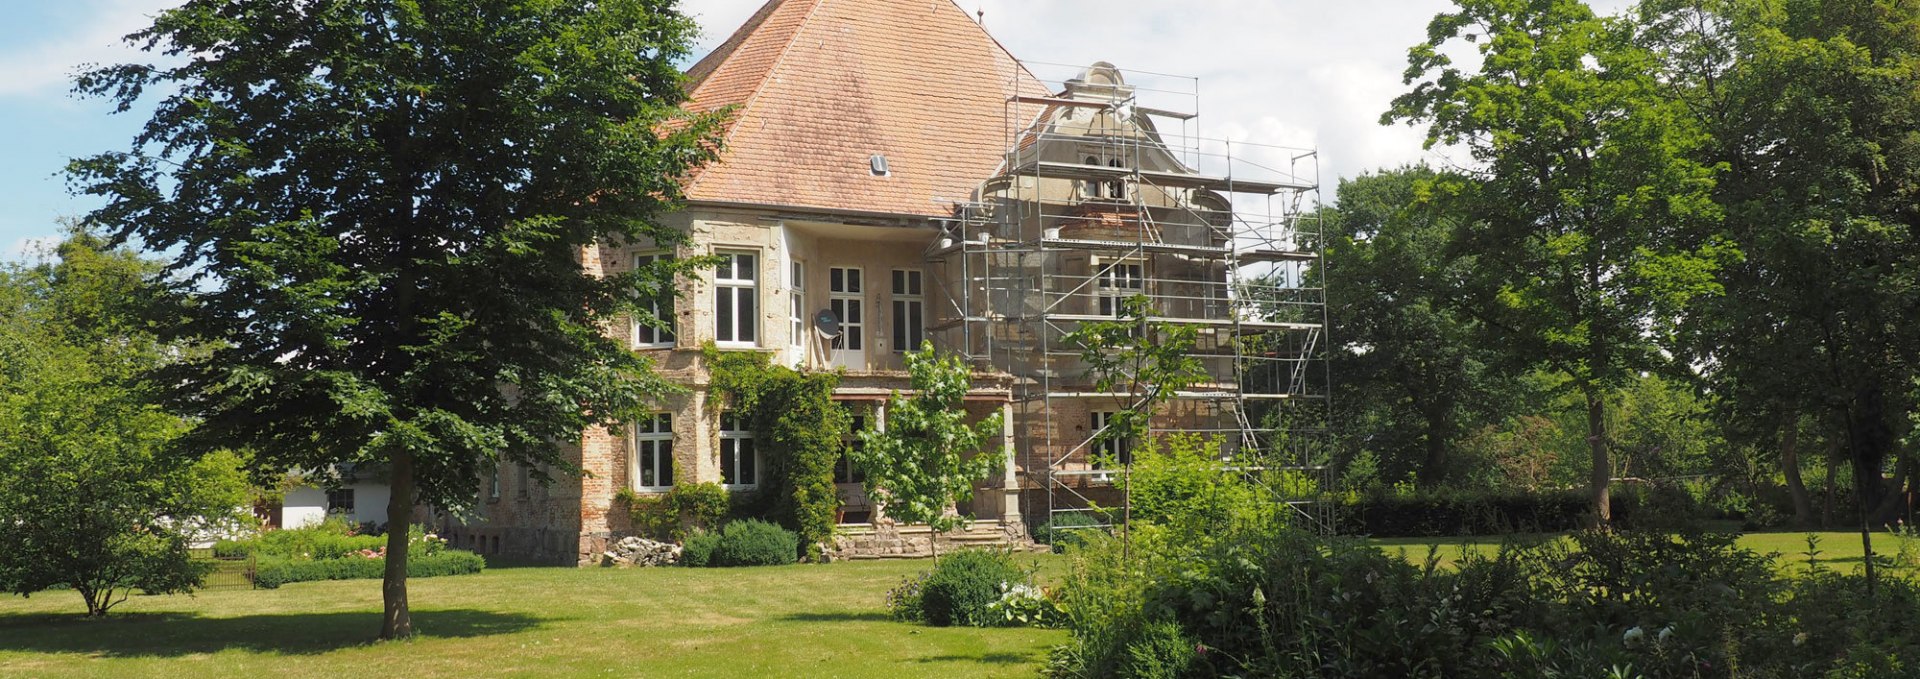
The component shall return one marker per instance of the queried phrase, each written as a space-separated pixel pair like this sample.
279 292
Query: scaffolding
1095 203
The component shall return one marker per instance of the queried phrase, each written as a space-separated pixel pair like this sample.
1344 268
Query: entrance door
846 296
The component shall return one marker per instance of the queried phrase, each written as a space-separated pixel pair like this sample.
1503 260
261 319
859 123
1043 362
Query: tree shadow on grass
838 616
178 634
987 658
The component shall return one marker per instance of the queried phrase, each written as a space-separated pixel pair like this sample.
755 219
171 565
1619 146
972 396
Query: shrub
752 542
678 513
963 587
235 549
1162 651
1065 529
697 551
273 572
903 601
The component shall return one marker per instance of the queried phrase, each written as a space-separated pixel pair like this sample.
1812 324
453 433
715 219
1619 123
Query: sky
1305 73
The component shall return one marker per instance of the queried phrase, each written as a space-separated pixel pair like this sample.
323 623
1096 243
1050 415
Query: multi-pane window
846 298
1118 281
798 288
739 463
1111 448
909 310
736 292
646 335
340 501
653 451
844 471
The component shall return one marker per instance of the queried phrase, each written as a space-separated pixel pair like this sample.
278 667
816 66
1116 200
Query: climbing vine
800 432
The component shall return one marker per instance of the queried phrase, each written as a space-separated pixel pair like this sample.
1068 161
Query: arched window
1116 189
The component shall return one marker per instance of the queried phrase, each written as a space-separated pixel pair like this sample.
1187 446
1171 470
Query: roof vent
877 163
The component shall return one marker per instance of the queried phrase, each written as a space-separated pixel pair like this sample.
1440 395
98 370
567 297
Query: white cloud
31 248
48 66
1285 73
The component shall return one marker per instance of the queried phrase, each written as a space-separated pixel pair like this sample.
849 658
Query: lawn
1838 550
788 621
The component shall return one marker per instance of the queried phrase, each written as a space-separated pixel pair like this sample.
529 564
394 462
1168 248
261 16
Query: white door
846 296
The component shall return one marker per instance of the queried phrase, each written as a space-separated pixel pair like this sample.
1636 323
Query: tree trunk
1790 463
1602 475
1434 472
397 621
1833 462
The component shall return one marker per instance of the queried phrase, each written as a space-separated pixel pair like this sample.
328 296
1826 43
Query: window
1118 281
798 288
340 501
739 462
849 304
645 335
493 483
653 451
1116 450
1115 189
735 292
909 311
844 471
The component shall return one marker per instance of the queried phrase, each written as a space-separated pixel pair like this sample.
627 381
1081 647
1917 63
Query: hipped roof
822 85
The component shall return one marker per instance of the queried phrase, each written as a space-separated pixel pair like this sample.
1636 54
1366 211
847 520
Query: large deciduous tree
1812 107
385 213
89 496
1585 194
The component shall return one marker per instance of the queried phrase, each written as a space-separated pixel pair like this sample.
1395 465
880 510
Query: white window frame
735 434
729 281
850 294
1119 450
909 310
1115 280
657 338
844 473
652 438
797 293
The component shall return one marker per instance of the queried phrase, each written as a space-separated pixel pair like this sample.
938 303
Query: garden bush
1273 601
272 572
1063 529
697 551
963 587
746 542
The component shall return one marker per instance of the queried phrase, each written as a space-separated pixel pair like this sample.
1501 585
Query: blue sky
1297 73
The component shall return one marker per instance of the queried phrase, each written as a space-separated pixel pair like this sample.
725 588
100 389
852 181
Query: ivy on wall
800 432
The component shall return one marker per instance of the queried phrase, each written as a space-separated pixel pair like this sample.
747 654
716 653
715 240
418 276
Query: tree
386 216
1588 194
918 465
1812 112
92 498
1413 370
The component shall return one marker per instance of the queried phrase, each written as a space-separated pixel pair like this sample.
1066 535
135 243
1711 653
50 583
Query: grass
784 621
1838 550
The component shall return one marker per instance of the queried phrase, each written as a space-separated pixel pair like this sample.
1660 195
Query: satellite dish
826 323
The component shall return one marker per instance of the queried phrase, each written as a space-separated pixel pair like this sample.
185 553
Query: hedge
272 573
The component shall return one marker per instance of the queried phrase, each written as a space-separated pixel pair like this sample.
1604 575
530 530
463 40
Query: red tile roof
822 85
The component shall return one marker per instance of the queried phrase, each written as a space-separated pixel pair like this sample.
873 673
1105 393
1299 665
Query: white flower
1665 633
1633 636
1800 638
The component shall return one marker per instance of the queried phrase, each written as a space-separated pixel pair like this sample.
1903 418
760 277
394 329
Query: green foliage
801 433
381 207
96 499
1181 480
1132 355
273 571
698 550
1063 530
1161 651
681 511
1271 601
964 587
917 468
1586 218
904 600
752 542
